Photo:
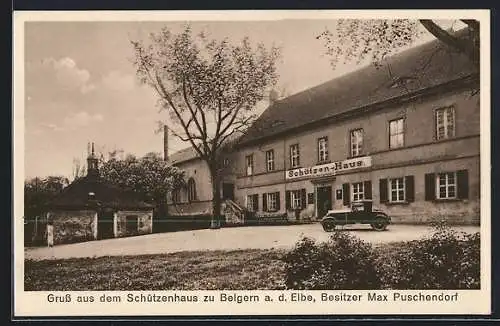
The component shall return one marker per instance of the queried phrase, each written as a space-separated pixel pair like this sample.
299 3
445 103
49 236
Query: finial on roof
92 148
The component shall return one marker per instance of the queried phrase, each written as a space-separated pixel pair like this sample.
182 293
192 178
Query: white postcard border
36 304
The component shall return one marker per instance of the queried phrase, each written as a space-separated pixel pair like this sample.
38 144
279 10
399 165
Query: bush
445 260
343 263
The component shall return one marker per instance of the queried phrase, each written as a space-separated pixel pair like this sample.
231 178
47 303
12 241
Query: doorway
324 200
228 191
105 223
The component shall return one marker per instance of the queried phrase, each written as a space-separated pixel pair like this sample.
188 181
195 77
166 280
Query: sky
80 84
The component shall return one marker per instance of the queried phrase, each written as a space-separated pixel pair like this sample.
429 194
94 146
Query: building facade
417 161
405 135
196 197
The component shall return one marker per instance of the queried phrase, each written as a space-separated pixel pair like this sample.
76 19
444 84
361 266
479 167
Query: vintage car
361 212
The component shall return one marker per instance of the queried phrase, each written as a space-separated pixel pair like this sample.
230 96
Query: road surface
231 238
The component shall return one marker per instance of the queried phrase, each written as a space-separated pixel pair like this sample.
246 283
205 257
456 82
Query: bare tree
79 169
209 88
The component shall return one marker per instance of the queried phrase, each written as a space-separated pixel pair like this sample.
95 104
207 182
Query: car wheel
380 224
328 226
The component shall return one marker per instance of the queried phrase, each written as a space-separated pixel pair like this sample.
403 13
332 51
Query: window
323 149
445 123
446 185
397 190
191 190
251 204
296 199
270 160
272 201
356 142
249 164
226 162
176 196
396 133
357 191
294 156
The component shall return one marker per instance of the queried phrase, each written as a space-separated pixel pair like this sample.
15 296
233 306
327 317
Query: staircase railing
237 209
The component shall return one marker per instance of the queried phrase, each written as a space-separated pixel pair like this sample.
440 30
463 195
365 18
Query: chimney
273 96
165 143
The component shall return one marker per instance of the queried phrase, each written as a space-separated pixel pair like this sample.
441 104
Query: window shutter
264 202
298 155
278 201
346 194
303 198
463 184
368 189
409 188
255 202
288 199
430 186
383 191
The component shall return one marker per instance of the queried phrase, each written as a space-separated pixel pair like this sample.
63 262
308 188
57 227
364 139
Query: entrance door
228 191
324 200
131 223
105 224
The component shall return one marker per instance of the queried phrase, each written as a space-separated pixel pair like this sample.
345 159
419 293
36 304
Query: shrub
445 260
344 262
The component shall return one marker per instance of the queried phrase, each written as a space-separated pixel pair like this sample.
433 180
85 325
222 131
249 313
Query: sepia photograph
302 153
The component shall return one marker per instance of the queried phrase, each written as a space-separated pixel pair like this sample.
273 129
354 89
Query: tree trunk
216 194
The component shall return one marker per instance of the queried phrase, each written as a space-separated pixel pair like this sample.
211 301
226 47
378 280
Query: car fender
383 215
328 218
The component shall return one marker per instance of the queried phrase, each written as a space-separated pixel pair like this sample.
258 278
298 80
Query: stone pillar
95 226
115 225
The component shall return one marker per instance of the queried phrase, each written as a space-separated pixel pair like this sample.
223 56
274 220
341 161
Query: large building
405 135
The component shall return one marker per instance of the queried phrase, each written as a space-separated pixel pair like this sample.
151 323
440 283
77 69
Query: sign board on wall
329 168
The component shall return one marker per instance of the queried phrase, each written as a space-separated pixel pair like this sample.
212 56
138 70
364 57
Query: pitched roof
183 155
76 196
418 68
189 153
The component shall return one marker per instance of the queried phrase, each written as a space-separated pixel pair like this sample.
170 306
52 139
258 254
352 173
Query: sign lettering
329 168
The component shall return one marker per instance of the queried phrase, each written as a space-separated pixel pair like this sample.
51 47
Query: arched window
176 196
191 190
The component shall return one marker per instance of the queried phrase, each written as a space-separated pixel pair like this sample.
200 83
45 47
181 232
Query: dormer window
401 81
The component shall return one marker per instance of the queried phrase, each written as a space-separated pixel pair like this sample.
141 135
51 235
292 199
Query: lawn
255 269
198 270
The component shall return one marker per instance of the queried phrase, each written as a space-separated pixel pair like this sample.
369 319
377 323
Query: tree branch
194 115
448 38
472 23
166 96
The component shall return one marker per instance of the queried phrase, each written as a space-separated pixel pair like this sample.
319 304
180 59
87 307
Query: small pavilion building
91 209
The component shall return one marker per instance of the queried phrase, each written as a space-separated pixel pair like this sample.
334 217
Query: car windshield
357 206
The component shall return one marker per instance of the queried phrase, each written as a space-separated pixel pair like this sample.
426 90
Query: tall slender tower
92 163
